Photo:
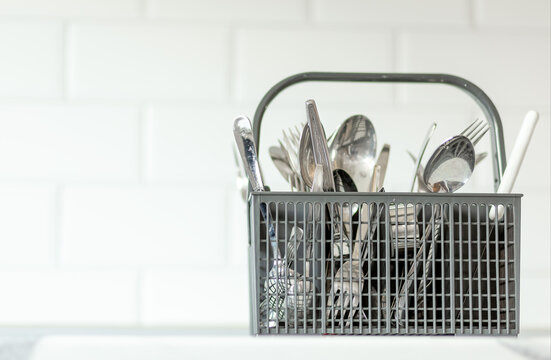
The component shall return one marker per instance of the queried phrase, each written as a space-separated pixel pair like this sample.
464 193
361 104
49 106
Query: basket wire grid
465 281
424 264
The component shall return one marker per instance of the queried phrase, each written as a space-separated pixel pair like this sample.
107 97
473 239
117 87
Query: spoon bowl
450 166
353 150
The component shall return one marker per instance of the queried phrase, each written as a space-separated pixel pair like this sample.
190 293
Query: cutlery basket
428 264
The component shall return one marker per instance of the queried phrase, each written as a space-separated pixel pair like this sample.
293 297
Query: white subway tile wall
118 204
68 297
31 65
147 61
143 225
394 13
67 143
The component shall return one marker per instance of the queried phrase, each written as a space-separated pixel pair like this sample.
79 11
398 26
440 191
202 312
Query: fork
291 140
475 131
348 281
280 284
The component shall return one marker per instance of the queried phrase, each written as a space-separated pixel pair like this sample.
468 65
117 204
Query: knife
382 163
319 145
244 139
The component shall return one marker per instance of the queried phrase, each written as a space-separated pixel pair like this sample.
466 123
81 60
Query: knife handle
517 156
319 145
243 134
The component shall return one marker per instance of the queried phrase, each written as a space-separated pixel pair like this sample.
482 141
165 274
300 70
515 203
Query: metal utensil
300 296
421 186
313 149
314 153
382 162
450 166
421 153
475 131
344 183
403 226
282 165
276 285
375 178
277 308
511 171
354 148
448 169
399 304
348 283
241 181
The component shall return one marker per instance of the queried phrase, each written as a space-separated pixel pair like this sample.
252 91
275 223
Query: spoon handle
421 153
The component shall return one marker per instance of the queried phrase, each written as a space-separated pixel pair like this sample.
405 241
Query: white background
118 205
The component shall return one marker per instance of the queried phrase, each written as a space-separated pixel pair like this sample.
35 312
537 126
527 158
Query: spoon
448 169
421 186
450 166
354 148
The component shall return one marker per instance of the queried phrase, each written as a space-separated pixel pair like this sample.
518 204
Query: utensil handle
319 145
517 156
487 106
421 153
245 144
519 150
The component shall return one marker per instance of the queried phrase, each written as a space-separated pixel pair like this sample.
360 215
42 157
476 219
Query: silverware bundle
340 248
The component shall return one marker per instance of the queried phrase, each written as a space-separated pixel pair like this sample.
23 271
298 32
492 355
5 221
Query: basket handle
487 106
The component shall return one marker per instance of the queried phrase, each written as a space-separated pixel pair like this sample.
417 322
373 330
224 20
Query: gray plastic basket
429 263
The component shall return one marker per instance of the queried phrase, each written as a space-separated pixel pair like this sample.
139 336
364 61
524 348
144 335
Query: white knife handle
515 161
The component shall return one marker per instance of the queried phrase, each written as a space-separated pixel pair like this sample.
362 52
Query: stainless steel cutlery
348 162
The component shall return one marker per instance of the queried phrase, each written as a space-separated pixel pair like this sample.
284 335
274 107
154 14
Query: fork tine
468 128
479 126
477 139
471 129
297 134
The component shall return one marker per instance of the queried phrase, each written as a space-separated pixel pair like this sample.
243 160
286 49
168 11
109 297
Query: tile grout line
308 13
144 145
57 223
232 64
139 300
65 61
471 14
394 38
145 9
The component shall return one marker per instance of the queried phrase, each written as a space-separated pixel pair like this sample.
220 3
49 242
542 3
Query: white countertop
142 347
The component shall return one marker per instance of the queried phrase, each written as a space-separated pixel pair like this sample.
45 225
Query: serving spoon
450 166
353 149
